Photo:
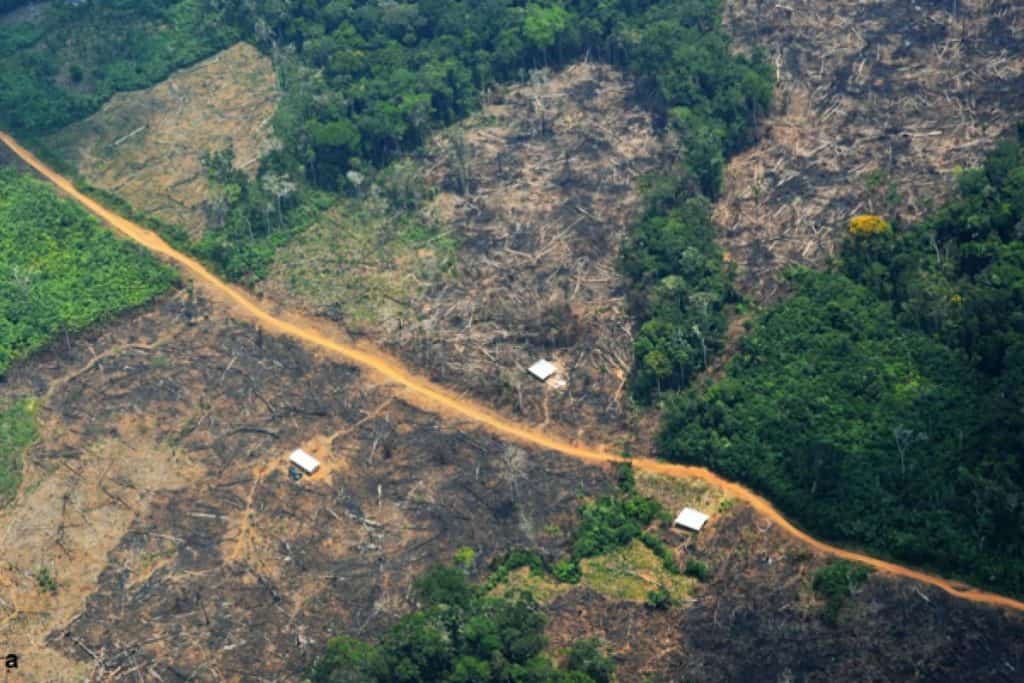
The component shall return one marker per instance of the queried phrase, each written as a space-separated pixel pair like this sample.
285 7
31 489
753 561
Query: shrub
661 549
587 658
45 581
837 581
697 570
659 599
465 558
567 571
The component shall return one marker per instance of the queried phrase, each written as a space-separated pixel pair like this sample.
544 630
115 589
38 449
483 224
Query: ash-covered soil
164 449
877 105
158 498
147 146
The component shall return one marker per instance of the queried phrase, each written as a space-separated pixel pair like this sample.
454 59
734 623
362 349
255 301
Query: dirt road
432 397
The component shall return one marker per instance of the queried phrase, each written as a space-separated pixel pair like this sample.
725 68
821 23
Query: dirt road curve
432 397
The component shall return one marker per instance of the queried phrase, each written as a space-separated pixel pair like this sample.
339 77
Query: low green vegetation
660 598
611 522
882 404
45 581
836 582
461 634
631 572
17 432
697 570
365 261
614 551
59 270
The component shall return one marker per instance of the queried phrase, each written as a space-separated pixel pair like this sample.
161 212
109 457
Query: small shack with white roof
304 461
543 369
691 519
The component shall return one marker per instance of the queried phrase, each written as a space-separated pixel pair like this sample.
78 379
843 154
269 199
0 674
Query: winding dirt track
432 397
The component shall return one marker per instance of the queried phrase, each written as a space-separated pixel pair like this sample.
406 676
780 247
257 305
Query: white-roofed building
304 461
691 519
543 369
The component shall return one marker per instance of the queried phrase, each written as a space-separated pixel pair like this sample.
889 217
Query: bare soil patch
870 94
146 146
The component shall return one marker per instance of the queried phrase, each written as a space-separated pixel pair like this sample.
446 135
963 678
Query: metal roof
691 519
543 369
302 459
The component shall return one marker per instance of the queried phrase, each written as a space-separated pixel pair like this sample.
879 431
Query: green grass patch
365 261
627 573
630 573
17 432
544 588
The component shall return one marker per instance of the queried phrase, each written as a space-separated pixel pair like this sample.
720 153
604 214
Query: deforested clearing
158 501
878 105
147 146
511 255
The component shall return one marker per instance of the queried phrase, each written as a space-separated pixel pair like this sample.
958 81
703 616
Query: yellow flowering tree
868 224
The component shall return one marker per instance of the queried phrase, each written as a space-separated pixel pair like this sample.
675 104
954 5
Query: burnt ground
536 191
757 619
877 105
218 566
158 498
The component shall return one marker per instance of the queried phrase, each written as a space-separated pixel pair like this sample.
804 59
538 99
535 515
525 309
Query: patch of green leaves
17 432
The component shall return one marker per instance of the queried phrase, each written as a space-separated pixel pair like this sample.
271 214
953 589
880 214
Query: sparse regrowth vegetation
882 403
697 570
45 581
837 582
364 261
17 432
59 270
615 551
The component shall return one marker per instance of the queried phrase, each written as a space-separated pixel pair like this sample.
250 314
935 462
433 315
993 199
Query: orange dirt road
434 397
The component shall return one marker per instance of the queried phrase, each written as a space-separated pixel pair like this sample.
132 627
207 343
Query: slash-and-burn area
182 548
158 500
509 255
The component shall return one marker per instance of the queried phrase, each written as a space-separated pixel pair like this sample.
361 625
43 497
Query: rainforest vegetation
65 61
459 634
365 81
59 270
882 404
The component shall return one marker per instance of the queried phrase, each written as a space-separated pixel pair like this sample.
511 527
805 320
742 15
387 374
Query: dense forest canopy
461 635
59 270
882 405
70 57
